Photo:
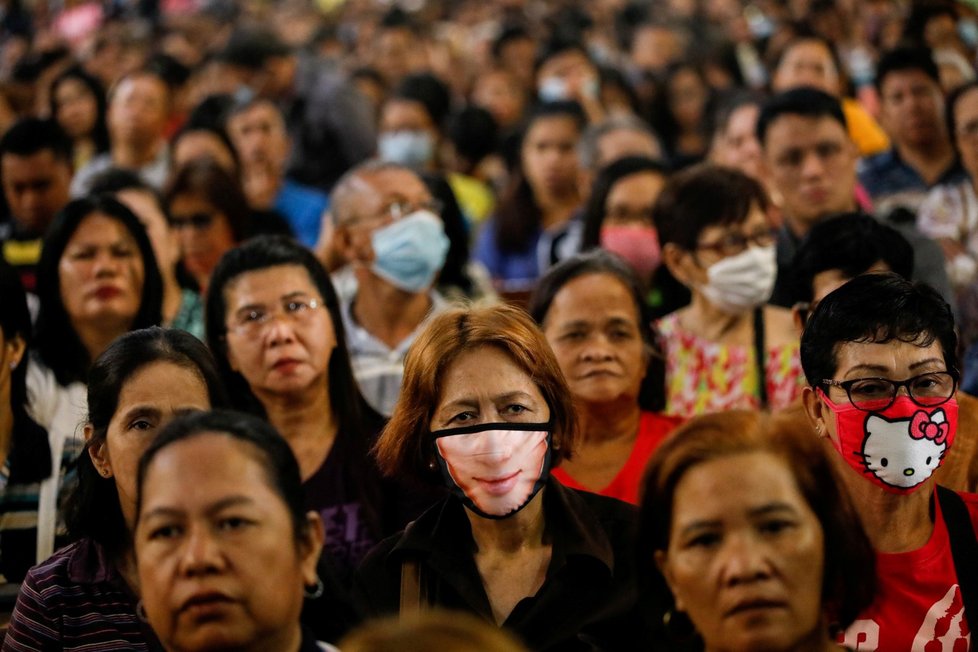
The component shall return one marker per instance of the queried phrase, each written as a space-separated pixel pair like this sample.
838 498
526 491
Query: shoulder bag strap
410 587
760 355
964 549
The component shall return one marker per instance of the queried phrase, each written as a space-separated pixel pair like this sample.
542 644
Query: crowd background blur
732 161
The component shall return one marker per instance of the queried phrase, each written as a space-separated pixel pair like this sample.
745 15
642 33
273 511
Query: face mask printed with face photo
899 448
494 468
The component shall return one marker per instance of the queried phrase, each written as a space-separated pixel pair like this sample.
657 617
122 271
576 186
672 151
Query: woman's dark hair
663 119
722 108
218 132
100 133
851 243
454 273
92 509
58 345
594 213
352 412
651 395
267 447
30 453
206 179
876 308
848 578
950 108
428 91
518 216
701 196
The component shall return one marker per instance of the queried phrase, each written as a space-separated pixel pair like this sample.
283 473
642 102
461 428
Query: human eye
86 253
573 335
462 417
253 316
142 425
791 158
516 409
123 250
828 150
233 523
296 305
702 540
775 525
935 384
164 531
870 388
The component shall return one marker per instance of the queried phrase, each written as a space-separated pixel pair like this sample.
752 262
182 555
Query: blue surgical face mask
409 253
411 148
553 89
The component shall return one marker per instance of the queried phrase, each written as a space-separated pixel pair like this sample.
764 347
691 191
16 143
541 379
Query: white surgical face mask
743 282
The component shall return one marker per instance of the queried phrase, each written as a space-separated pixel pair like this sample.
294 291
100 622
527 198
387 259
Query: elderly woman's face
101 274
593 327
496 470
218 568
149 399
746 554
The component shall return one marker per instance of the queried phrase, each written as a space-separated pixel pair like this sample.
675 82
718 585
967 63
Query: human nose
494 447
201 553
597 348
743 559
278 328
105 263
812 165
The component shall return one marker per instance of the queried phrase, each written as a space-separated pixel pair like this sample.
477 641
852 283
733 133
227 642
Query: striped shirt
77 600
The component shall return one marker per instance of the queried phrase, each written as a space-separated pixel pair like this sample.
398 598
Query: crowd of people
489 325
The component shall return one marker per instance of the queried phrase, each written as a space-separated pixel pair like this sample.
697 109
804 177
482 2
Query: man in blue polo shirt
912 112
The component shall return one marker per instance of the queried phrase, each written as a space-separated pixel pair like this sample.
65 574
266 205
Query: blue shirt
303 208
892 183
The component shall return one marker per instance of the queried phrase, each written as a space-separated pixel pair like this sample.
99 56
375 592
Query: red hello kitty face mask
898 448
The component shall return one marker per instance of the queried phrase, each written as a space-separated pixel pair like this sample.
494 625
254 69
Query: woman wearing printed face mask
746 533
619 213
727 349
878 357
486 412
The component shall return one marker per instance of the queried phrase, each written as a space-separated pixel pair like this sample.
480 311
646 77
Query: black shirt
587 601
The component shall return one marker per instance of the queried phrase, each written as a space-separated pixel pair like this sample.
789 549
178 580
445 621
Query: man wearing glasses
388 229
879 357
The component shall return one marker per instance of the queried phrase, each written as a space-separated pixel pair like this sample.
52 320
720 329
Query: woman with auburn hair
746 531
485 412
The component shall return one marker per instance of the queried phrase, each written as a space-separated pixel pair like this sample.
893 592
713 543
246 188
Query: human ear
815 410
662 562
15 351
99 453
679 262
311 547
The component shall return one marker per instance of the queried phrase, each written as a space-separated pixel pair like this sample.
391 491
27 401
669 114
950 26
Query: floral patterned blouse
704 376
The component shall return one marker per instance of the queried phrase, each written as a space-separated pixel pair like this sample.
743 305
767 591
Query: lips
755 605
106 292
285 364
205 603
499 486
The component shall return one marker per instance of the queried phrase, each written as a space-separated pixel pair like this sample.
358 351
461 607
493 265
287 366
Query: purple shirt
77 600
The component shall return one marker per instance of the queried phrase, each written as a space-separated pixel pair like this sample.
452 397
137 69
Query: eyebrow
471 402
141 411
212 509
283 298
755 512
877 368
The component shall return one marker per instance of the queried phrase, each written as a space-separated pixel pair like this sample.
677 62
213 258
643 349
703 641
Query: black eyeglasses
735 243
877 394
